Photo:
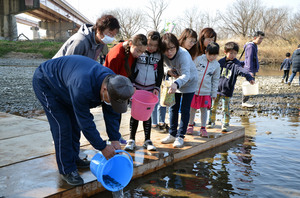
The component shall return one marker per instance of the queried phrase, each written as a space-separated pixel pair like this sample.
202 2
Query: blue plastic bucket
115 173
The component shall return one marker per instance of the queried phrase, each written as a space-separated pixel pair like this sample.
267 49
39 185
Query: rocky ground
17 96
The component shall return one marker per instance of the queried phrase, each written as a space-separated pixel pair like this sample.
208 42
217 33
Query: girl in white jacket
209 73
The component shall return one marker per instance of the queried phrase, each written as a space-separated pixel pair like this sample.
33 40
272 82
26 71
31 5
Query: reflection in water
258 165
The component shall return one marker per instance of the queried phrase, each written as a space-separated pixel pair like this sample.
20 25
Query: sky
175 6
92 9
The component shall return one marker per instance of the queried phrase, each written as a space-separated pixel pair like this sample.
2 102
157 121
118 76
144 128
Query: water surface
263 164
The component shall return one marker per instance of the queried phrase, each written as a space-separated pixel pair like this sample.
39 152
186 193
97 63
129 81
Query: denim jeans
185 114
161 111
293 75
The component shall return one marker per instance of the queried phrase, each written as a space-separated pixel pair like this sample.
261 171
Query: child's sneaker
167 140
203 132
190 130
225 128
211 125
178 142
122 141
130 146
149 145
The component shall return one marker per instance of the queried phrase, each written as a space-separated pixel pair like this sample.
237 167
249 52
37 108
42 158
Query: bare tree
131 21
155 12
195 19
192 18
292 31
241 18
273 22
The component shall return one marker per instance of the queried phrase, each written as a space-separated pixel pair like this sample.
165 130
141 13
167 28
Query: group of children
200 81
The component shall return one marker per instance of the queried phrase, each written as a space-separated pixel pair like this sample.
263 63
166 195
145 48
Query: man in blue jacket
251 60
67 88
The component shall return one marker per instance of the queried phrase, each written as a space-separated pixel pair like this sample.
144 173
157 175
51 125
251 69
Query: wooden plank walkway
28 167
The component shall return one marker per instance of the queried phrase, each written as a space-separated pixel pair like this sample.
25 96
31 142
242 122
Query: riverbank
17 96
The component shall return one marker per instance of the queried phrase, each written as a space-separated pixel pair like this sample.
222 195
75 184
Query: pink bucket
142 104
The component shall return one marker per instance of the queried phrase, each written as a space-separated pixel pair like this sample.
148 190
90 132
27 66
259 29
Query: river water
265 163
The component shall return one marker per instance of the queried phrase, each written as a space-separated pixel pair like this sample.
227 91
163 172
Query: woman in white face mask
90 39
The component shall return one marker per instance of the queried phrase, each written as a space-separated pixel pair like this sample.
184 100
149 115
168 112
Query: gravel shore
17 96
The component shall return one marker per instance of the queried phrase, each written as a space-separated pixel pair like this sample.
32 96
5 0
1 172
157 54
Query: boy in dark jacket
230 69
286 65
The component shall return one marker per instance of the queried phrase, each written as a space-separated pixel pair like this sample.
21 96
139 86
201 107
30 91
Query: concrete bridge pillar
57 30
8 8
35 31
8 27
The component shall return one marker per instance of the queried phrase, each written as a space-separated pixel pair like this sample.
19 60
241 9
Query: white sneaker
149 145
167 140
247 105
178 142
130 146
211 125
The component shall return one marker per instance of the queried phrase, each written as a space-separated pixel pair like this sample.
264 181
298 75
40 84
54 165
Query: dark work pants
63 125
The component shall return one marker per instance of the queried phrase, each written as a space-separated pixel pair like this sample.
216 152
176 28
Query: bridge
58 17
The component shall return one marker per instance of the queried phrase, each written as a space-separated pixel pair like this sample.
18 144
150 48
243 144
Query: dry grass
268 51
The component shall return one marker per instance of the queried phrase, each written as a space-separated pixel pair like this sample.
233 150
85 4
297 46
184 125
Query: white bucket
249 89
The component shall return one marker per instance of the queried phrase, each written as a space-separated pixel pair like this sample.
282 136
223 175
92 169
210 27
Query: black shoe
73 178
82 163
164 128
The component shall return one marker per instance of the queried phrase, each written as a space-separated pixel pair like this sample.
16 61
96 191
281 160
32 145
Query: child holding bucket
121 57
230 69
209 74
147 75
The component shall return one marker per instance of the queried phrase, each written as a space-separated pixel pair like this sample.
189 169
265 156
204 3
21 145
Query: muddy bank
275 98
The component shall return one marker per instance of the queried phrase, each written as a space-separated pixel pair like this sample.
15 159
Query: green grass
47 48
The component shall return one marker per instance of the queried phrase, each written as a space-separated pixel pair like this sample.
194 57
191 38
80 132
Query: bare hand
108 151
116 145
155 92
213 98
251 74
173 88
252 82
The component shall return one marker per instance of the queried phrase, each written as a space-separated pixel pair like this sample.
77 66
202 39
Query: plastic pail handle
122 151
